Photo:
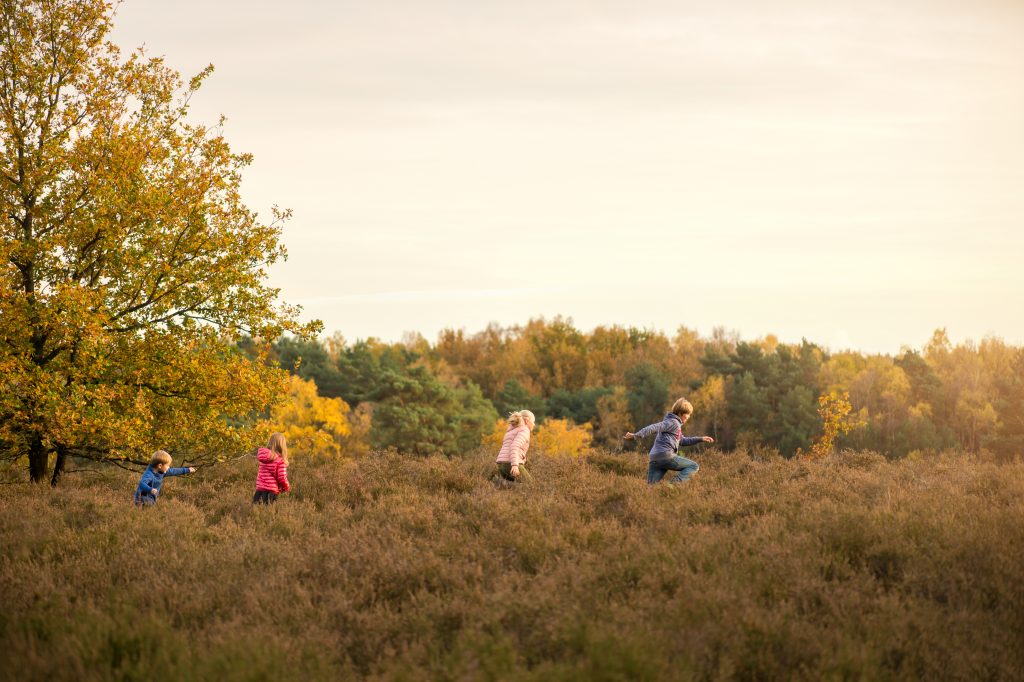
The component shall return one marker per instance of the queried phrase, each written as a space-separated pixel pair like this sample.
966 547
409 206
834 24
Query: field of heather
401 568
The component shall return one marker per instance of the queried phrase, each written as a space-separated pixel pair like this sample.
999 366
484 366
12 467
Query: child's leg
505 471
264 497
655 472
685 467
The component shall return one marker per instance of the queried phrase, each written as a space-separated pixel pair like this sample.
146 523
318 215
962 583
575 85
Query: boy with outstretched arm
153 477
663 455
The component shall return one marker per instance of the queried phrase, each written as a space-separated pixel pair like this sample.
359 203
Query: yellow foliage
493 439
313 425
835 410
563 438
555 437
138 264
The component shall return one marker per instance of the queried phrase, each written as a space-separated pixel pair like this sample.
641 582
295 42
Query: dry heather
407 569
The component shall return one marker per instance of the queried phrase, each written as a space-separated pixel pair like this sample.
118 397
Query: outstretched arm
693 440
179 471
657 427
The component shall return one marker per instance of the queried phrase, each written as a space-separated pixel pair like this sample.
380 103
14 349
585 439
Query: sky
849 172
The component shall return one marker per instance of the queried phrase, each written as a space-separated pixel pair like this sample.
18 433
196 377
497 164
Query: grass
854 568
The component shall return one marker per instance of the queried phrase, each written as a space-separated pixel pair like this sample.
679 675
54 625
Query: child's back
272 474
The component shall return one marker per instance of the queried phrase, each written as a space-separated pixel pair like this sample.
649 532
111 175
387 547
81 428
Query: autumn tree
613 417
315 425
563 438
130 263
710 405
836 418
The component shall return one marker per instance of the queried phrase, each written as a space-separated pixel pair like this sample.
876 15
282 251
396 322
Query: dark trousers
264 497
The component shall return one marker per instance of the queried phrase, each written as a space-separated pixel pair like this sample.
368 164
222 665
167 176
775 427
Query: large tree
128 262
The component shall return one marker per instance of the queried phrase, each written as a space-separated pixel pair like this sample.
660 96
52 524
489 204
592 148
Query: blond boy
153 477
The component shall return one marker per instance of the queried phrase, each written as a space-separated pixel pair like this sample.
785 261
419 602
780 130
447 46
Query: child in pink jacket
272 475
512 456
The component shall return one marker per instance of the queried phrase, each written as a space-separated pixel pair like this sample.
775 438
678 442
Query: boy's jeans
657 469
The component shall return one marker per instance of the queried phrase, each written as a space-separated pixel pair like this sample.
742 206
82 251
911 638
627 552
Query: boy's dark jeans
264 497
657 469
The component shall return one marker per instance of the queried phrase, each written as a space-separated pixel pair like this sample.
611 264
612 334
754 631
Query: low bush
395 567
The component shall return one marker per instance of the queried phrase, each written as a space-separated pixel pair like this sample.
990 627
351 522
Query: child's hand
153 492
191 470
515 471
629 435
708 439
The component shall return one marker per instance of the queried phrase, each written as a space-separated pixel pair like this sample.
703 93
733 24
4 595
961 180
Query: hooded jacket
670 437
273 472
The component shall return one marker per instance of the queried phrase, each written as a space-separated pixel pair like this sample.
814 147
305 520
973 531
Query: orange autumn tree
129 263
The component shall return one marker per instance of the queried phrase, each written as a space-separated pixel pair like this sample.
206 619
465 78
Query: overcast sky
851 172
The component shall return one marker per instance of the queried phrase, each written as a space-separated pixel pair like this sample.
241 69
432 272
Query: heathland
391 567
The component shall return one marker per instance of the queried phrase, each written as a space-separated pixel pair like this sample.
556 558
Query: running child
664 453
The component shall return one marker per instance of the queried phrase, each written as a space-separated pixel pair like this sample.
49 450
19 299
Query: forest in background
588 388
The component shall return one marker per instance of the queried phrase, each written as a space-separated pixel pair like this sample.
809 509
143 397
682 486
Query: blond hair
160 457
517 418
278 444
681 407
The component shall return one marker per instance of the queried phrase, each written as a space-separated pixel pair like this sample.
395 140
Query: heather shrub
406 568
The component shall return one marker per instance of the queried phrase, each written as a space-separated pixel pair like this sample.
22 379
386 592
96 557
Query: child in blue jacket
663 457
153 477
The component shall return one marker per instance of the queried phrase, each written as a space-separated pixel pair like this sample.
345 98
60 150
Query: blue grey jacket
670 437
152 480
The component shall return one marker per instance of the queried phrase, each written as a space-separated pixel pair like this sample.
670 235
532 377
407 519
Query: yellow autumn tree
561 437
494 438
131 264
315 425
834 409
711 404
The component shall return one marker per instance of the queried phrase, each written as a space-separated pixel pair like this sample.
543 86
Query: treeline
444 397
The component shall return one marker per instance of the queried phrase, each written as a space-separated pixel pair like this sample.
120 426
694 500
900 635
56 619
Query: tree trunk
58 466
38 460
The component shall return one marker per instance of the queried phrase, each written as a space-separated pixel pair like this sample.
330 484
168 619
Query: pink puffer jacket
515 445
273 472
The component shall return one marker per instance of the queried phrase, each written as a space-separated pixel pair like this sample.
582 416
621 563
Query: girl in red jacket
272 476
